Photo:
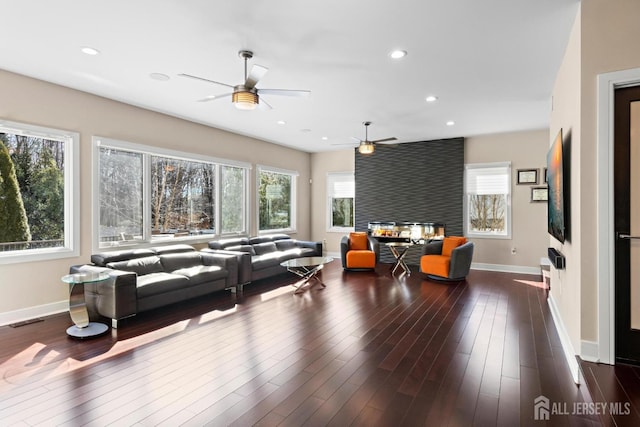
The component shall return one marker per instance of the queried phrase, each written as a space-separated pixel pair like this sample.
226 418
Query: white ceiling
492 63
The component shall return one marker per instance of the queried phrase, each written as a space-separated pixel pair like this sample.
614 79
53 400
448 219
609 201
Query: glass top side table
82 327
399 250
307 268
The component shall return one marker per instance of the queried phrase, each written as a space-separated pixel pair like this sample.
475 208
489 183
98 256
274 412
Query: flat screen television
556 221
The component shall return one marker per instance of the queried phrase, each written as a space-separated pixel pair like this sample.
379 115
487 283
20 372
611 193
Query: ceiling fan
246 96
368 147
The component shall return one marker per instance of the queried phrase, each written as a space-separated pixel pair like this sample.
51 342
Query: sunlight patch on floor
216 314
266 296
533 283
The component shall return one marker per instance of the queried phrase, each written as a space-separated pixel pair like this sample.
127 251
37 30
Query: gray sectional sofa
144 279
260 257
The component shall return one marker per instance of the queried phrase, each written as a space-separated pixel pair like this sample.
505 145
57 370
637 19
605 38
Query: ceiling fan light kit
245 100
366 148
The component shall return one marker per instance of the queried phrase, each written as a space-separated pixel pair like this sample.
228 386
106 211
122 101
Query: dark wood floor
617 388
370 349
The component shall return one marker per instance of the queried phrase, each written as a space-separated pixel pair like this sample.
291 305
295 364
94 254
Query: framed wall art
527 176
539 194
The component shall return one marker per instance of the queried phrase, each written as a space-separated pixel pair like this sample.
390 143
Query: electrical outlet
513 251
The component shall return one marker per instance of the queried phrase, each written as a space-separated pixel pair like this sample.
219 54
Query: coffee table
82 327
399 250
307 268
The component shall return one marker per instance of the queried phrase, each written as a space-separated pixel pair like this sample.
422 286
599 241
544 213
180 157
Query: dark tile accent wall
417 182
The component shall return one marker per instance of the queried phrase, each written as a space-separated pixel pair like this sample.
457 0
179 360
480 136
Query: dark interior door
627 223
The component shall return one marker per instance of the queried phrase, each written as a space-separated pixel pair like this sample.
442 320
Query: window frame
71 247
508 214
332 177
293 199
148 152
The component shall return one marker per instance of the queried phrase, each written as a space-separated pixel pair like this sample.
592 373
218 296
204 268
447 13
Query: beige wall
604 39
30 284
610 34
321 165
525 150
566 284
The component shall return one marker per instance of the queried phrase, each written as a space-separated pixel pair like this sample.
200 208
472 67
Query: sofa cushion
450 243
285 244
202 273
361 259
258 262
438 265
159 283
358 241
280 236
171 249
290 254
264 248
241 248
259 239
140 266
102 259
225 243
172 262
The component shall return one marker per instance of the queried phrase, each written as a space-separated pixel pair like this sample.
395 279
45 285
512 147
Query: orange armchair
448 259
359 251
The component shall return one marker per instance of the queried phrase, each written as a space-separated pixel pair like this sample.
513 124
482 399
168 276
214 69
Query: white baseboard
589 351
10 317
567 347
521 269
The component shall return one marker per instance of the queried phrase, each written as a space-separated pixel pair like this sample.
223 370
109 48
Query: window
276 199
340 198
487 200
233 199
146 194
39 193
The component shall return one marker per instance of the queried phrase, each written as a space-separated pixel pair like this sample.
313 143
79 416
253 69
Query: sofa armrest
461 260
374 245
115 298
228 261
243 263
316 246
344 248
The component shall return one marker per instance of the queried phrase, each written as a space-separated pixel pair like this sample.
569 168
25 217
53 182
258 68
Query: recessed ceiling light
432 98
89 50
324 138
451 123
397 54
159 76
281 122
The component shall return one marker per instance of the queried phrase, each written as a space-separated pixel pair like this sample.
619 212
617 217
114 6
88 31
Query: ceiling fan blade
204 80
264 105
378 141
358 140
214 97
257 72
284 92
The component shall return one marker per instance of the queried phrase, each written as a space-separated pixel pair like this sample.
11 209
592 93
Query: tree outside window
32 192
182 196
232 199
488 210
146 194
275 193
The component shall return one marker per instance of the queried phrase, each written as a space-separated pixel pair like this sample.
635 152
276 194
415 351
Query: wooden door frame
607 84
